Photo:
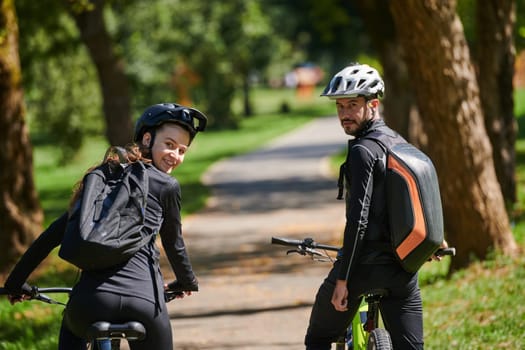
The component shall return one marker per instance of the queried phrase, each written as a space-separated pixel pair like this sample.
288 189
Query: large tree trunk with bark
495 56
110 68
20 213
399 101
448 98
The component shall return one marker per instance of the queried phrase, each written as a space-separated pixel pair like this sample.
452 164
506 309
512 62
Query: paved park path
252 295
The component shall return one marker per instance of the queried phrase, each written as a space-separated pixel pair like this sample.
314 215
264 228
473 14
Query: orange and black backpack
413 200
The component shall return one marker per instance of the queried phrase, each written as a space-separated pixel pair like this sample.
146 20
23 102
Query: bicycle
101 335
361 334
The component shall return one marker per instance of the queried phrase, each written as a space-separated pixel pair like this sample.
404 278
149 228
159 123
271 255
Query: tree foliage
62 91
199 52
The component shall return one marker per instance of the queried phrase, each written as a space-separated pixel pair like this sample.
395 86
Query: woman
134 290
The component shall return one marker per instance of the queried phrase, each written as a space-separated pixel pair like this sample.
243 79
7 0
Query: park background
75 79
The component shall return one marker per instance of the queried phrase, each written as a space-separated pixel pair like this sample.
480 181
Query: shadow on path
252 295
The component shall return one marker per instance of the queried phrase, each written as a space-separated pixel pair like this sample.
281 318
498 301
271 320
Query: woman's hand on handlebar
20 294
17 298
178 290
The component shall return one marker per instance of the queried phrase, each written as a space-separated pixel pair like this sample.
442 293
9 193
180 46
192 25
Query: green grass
27 326
519 209
480 307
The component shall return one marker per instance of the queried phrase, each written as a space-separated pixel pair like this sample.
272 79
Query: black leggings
401 310
85 308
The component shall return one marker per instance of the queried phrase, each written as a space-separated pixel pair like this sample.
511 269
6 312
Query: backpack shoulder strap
385 137
138 175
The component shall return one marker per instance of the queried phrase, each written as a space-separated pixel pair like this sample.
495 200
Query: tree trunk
20 213
219 94
247 104
399 100
448 98
495 56
110 68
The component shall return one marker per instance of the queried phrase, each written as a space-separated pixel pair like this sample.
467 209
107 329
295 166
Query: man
365 261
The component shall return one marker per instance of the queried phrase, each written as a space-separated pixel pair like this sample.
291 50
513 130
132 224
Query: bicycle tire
379 339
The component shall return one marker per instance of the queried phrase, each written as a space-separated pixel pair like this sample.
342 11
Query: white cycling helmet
355 80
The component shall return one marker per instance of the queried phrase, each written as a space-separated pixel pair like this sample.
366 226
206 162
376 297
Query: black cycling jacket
366 235
134 277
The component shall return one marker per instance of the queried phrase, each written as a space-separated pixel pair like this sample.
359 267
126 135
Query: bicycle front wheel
379 339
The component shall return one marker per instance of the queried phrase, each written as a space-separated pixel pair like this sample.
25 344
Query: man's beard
362 125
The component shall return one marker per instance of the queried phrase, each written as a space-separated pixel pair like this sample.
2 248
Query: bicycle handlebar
308 246
177 290
445 251
306 243
37 293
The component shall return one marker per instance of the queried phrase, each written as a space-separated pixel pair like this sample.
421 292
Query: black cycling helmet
156 115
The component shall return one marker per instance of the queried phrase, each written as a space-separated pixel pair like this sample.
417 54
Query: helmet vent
337 83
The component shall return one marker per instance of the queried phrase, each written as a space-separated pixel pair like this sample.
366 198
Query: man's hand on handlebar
442 251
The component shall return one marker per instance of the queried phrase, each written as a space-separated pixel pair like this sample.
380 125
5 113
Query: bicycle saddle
132 330
379 293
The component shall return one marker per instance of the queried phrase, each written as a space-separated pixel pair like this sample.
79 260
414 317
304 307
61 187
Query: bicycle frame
355 335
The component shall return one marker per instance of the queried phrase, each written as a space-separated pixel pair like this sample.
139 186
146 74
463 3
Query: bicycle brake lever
169 295
313 252
44 298
298 251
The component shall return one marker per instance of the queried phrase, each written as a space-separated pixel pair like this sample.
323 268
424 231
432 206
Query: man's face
353 114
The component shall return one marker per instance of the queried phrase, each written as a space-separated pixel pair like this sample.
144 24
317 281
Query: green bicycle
364 331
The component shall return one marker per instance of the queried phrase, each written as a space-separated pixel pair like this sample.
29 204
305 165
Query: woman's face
170 145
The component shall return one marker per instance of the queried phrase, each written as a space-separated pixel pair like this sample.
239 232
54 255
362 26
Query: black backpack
105 226
413 200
